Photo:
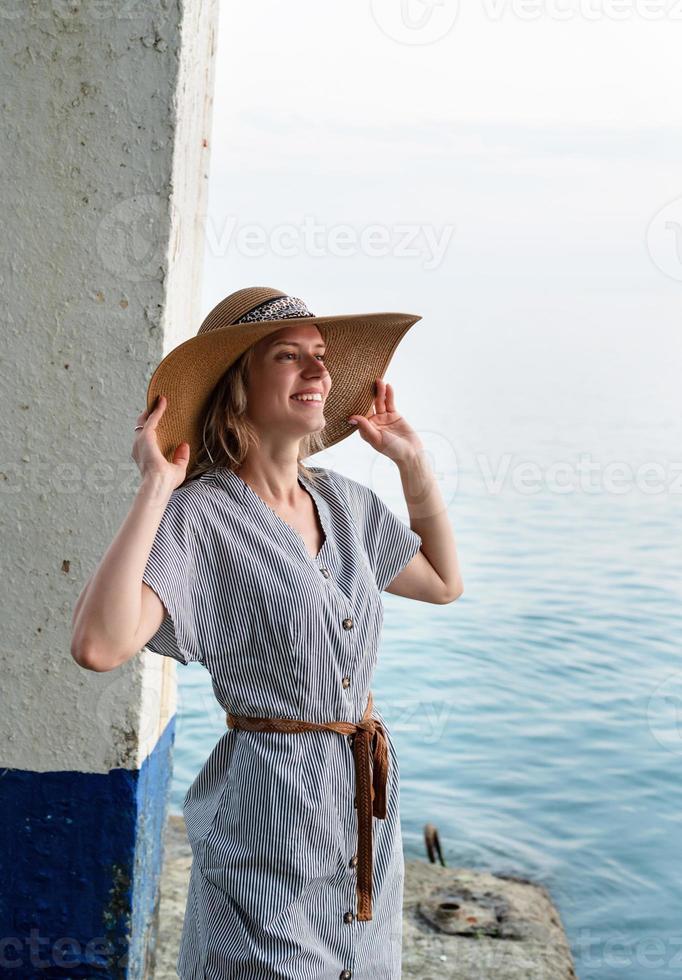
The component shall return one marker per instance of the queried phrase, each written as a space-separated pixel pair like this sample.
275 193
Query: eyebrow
291 343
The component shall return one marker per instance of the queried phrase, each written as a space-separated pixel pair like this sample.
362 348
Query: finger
157 411
145 413
379 399
367 431
390 400
181 454
357 420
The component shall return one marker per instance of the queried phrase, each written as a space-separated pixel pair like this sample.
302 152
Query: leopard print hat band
277 309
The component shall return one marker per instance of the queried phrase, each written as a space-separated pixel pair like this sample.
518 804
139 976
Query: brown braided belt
370 753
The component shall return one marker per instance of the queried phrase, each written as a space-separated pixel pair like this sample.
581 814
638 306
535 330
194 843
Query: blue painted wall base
80 863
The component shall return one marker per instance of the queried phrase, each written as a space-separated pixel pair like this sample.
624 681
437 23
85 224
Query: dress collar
230 480
254 504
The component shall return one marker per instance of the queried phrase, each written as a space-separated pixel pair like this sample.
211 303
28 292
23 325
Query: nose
318 367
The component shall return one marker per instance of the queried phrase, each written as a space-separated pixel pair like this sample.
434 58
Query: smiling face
285 364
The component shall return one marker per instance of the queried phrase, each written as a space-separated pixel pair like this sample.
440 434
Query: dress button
325 572
348 916
345 975
355 802
353 863
345 681
348 624
351 739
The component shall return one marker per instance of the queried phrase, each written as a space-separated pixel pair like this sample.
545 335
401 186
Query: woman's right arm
117 613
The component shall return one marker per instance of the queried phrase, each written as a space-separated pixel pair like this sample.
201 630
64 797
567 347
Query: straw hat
359 349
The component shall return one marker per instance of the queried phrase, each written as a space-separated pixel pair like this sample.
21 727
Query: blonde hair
228 433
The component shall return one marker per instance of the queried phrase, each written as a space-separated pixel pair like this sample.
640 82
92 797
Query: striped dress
270 816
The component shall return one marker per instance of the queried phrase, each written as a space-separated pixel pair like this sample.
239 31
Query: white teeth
308 398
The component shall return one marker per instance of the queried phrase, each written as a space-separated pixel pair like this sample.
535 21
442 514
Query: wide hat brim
359 349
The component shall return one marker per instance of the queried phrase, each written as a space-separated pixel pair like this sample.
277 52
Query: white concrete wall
104 153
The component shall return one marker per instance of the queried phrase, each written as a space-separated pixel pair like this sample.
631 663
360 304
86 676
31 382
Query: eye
293 353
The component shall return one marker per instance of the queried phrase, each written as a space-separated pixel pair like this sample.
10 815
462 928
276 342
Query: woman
270 573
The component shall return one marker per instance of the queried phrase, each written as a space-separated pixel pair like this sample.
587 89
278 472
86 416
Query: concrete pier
458 924
107 113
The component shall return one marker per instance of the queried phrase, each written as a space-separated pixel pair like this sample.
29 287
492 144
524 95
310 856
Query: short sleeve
171 573
389 543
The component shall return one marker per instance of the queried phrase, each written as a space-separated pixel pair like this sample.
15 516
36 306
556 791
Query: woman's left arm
433 574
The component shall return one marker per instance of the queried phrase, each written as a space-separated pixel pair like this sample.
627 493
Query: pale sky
345 63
